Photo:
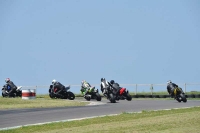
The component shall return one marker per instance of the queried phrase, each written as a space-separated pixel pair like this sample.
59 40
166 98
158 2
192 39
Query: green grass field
39 102
167 121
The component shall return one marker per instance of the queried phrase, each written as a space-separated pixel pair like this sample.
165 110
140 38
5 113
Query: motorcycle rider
113 82
104 86
117 90
170 87
59 88
10 88
85 87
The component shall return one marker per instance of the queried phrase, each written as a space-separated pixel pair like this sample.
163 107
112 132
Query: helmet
103 79
169 81
7 80
112 81
54 81
82 81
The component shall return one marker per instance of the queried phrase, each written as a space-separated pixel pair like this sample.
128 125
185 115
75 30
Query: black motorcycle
179 95
121 92
65 94
16 93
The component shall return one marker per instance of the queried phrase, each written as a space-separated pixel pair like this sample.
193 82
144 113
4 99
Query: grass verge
14 103
173 121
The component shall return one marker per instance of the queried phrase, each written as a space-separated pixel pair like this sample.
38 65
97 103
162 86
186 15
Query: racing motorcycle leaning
110 94
17 92
93 93
122 94
65 94
179 95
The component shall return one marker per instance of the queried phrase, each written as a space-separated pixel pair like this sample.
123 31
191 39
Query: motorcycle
110 94
179 95
92 94
17 92
123 92
65 94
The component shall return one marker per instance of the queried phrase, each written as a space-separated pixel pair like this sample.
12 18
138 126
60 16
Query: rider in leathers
170 87
59 88
85 87
104 86
116 89
10 87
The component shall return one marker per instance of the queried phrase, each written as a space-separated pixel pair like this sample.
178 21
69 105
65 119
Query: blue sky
130 41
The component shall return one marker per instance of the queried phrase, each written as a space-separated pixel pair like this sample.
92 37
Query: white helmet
82 81
7 80
169 81
54 81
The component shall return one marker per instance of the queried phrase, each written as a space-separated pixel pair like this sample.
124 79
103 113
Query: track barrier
28 93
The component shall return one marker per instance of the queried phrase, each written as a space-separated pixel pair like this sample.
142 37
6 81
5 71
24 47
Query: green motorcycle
91 93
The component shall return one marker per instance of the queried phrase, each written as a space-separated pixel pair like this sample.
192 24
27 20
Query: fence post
185 87
35 90
135 89
151 87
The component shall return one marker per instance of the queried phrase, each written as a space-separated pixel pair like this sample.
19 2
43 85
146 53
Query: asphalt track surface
20 117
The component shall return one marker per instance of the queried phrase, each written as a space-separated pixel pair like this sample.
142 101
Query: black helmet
112 81
103 79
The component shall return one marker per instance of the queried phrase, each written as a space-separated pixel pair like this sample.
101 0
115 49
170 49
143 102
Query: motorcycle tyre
51 95
71 95
98 97
112 98
128 97
2 94
87 98
184 99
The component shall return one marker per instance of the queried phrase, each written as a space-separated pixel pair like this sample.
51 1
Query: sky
130 41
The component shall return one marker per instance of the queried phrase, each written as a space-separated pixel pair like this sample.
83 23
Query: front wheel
98 97
177 99
87 97
51 95
71 96
112 98
128 97
3 94
183 98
